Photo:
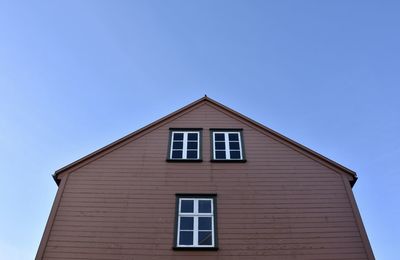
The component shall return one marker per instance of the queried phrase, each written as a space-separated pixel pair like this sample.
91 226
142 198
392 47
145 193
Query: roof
114 145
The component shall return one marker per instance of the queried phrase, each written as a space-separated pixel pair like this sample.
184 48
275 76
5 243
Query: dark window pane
186 238
205 238
235 155
204 206
177 154
219 137
192 145
186 223
233 137
220 155
219 145
177 145
204 223
234 145
178 136
186 206
192 137
191 155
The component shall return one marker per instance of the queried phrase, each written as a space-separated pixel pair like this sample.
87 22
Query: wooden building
204 182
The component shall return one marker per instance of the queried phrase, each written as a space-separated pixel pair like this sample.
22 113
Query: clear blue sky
77 75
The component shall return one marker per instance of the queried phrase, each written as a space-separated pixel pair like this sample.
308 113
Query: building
205 182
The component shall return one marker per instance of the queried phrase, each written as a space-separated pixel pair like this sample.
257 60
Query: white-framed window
227 145
184 145
195 225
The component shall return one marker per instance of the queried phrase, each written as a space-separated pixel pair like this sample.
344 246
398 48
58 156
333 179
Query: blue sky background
77 75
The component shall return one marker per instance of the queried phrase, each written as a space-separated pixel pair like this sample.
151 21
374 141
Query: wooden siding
280 204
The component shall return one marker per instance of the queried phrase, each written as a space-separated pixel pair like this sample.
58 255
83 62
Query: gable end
206 100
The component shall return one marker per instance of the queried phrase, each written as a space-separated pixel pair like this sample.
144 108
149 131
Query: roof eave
353 182
54 175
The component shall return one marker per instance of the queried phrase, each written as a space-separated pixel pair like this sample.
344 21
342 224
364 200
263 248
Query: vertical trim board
51 219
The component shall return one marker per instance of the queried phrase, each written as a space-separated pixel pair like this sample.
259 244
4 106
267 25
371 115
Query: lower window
195 227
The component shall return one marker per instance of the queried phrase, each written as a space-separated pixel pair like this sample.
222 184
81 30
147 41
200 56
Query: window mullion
227 151
184 148
196 223
195 231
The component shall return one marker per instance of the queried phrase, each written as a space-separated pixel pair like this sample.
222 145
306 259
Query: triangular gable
130 137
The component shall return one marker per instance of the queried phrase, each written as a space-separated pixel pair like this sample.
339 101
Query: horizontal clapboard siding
279 205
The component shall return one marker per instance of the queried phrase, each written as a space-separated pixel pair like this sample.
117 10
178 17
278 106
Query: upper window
185 145
227 145
195 227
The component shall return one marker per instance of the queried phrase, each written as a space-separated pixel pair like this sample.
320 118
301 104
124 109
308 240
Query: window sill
195 248
184 160
228 161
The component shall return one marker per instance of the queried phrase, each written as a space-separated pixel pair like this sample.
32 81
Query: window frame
227 131
195 215
199 131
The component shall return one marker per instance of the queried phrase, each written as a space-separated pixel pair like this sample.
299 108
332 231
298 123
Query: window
184 145
195 222
227 145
